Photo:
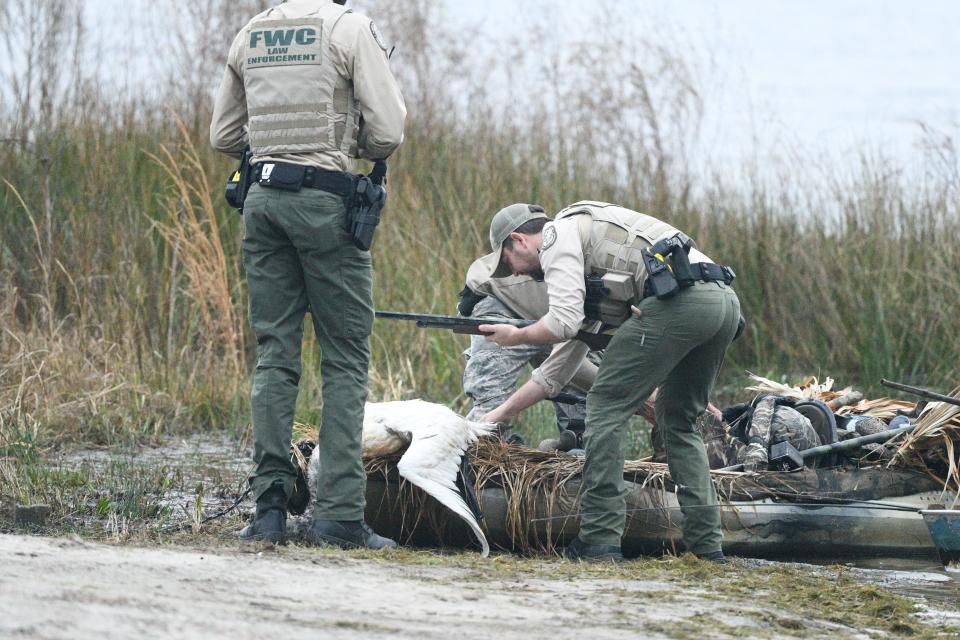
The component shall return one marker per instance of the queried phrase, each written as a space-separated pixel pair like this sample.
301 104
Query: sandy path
65 588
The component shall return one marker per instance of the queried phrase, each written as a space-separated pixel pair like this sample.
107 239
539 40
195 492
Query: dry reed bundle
935 444
883 408
539 486
809 389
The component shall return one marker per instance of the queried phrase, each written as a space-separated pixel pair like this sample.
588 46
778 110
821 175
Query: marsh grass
128 494
122 300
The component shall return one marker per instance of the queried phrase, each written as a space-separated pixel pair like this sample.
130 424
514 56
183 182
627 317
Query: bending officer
599 261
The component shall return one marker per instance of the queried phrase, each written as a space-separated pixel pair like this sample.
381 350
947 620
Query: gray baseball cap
508 220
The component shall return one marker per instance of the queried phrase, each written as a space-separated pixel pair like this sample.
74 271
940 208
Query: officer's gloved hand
755 457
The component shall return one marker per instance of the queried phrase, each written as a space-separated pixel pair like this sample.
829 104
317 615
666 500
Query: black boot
270 522
716 557
567 440
346 535
580 550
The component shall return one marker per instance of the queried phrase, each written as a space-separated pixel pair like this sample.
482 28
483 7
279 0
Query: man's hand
505 335
716 413
526 396
495 417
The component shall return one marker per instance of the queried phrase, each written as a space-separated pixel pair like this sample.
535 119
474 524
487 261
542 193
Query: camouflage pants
491 372
725 449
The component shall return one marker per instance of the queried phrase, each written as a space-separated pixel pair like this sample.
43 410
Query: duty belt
711 272
335 182
702 272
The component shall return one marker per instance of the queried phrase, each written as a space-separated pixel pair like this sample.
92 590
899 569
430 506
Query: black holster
668 266
595 293
238 183
367 202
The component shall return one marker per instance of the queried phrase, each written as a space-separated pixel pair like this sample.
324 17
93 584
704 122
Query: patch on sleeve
377 35
549 237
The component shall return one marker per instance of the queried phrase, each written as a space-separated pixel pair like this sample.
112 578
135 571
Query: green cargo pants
298 257
677 345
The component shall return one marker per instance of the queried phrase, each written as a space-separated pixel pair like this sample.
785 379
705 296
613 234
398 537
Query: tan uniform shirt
356 56
563 265
567 363
563 268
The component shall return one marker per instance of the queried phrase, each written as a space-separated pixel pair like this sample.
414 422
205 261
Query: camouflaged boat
863 502
529 504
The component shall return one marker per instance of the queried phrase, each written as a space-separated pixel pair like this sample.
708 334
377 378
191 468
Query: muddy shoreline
125 552
70 588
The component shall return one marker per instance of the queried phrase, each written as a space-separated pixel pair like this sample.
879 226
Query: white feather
437 438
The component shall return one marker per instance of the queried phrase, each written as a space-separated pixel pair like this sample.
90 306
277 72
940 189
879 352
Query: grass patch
787 599
121 495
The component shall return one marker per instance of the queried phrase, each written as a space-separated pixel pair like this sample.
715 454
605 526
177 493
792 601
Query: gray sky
829 75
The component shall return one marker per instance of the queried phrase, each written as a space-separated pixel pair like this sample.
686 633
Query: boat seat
821 417
825 424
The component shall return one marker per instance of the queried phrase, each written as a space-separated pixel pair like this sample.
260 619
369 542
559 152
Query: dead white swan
437 438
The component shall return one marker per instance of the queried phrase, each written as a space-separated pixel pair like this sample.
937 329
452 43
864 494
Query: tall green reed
122 302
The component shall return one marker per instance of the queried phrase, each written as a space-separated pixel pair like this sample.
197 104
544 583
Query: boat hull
944 527
891 527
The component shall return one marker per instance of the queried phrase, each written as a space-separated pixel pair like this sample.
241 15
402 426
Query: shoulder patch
377 35
549 237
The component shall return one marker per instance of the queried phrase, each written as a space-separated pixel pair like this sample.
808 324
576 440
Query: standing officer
308 88
605 260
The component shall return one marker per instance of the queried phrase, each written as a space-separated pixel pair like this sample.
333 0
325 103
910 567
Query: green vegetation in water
125 495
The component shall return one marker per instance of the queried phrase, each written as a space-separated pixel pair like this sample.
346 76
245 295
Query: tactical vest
296 100
612 239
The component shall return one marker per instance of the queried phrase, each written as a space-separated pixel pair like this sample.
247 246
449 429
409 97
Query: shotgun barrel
917 391
457 324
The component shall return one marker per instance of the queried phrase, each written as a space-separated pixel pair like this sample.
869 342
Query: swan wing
433 460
